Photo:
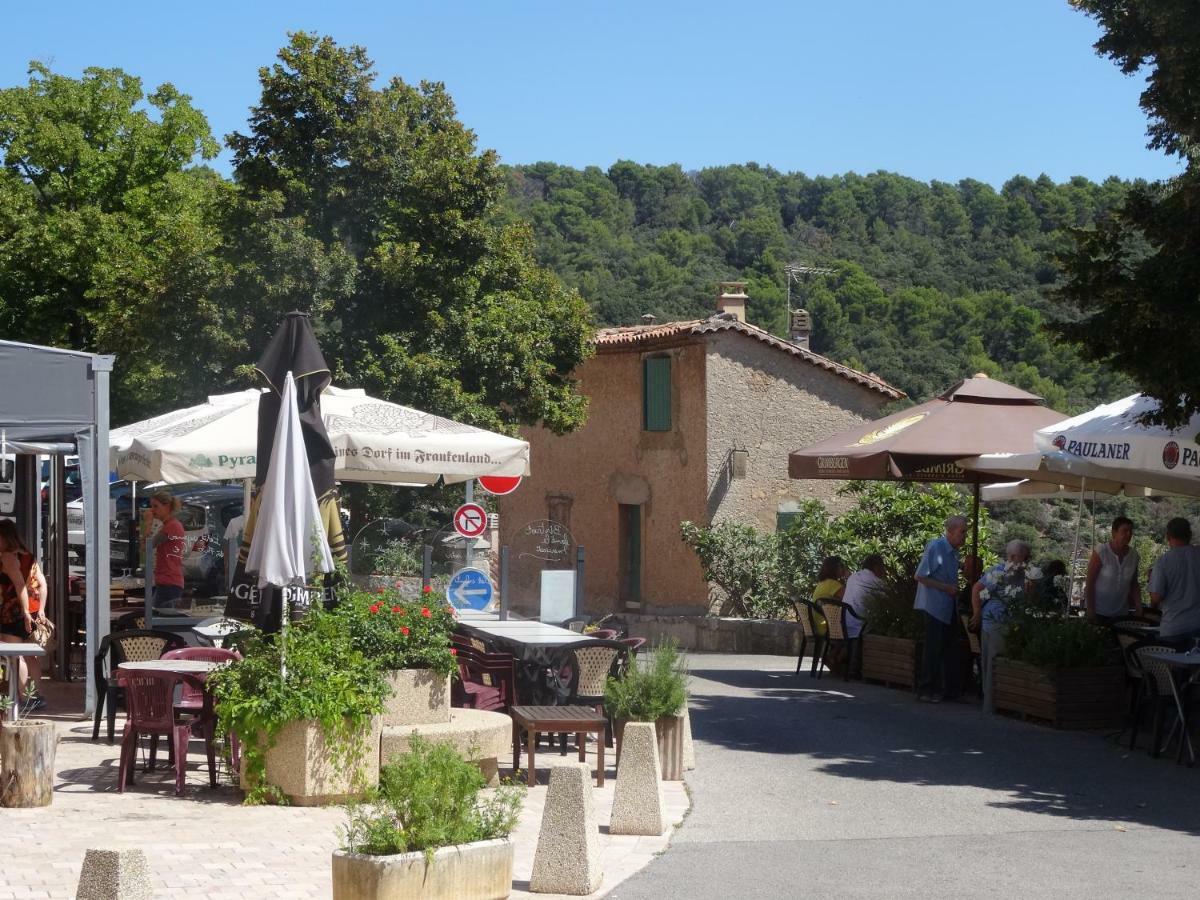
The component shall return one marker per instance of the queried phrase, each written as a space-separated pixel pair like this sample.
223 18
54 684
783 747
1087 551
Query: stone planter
419 697
669 730
1064 698
478 871
301 766
406 585
890 660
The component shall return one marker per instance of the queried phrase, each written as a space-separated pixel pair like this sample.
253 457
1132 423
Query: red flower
379 590
453 652
374 607
396 609
425 612
400 612
426 589
404 631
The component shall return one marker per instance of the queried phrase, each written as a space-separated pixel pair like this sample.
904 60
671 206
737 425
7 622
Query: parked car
120 497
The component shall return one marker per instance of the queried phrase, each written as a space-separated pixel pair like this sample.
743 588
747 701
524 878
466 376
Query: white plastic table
182 666
218 631
12 654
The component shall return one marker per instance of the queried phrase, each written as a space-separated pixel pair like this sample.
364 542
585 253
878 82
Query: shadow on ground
877 734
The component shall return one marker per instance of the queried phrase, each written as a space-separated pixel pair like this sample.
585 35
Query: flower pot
1065 698
303 767
419 697
478 871
890 660
669 731
27 763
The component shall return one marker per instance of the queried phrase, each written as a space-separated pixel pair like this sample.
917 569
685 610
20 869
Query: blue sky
943 89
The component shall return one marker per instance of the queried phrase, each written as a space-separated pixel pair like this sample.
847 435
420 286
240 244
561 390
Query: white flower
1033 573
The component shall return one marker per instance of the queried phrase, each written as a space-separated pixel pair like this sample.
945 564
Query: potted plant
1057 668
654 689
428 831
891 643
305 706
410 643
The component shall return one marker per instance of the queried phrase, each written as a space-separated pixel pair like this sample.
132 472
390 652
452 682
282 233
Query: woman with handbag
22 608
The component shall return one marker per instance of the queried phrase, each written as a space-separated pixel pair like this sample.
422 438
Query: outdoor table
218 631
12 654
1179 662
193 667
534 645
531 720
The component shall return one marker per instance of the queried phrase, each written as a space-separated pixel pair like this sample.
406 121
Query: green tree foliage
108 231
931 281
1135 275
378 204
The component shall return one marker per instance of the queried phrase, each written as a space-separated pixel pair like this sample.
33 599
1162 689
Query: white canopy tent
375 441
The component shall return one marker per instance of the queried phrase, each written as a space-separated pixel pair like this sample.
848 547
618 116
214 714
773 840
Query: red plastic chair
603 634
191 698
634 644
150 701
486 681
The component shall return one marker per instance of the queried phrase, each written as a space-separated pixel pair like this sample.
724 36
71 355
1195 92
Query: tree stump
27 763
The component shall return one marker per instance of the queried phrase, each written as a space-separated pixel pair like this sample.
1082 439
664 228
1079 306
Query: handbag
43 632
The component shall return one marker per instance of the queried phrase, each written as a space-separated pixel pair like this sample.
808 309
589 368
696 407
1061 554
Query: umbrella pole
975 522
1075 546
285 613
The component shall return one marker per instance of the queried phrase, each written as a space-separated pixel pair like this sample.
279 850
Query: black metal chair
134 645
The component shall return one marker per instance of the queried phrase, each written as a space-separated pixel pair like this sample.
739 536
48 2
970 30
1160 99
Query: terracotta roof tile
631 336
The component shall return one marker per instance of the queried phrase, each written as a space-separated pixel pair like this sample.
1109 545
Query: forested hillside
930 282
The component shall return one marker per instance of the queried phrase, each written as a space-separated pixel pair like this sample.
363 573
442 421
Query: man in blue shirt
937 597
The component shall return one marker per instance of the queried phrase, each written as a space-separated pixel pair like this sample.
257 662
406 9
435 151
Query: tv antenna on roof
794 271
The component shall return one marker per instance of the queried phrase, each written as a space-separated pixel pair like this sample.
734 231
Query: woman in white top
1111 590
859 586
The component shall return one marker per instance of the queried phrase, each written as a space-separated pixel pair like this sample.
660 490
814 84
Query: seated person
867 580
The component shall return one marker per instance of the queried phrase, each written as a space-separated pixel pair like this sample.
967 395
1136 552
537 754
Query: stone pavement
206 844
829 789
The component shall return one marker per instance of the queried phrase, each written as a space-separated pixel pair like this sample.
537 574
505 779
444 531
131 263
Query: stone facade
741 400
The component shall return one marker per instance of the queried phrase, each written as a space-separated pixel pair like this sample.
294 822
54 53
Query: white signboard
558 595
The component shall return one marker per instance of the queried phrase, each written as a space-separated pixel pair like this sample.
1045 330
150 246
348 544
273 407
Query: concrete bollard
114 874
638 800
567 859
689 749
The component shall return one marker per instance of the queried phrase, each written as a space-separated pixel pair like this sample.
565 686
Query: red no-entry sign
499 485
470 520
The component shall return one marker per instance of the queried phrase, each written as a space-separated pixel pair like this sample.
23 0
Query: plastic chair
486 681
136 645
586 666
151 702
191 698
604 634
835 612
1157 678
576 624
806 612
974 646
634 644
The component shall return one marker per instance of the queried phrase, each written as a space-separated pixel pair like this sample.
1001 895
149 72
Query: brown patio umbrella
923 443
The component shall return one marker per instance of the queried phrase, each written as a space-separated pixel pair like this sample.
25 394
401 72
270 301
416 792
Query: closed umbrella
290 544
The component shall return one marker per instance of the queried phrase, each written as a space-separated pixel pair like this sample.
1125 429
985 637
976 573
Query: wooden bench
532 720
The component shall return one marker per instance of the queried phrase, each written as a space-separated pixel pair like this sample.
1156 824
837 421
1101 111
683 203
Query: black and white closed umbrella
290 545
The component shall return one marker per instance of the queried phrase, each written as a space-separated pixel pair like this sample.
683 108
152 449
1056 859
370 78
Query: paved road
836 790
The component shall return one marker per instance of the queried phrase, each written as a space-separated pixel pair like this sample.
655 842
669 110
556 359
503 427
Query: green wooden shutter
656 393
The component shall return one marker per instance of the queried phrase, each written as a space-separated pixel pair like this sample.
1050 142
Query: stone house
688 421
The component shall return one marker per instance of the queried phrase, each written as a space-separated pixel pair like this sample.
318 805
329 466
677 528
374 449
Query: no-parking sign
470 520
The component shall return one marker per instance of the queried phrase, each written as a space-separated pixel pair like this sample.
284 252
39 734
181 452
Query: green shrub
429 798
655 686
396 557
396 632
889 611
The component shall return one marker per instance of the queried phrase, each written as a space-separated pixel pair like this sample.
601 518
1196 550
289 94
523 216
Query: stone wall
719 635
767 403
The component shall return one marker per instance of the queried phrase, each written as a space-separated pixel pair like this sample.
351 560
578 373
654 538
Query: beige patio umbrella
925 442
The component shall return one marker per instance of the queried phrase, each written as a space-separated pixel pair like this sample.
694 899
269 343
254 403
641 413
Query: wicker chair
135 645
1156 678
974 646
809 615
835 612
586 666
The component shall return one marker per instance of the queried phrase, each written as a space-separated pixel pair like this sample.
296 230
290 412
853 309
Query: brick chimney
801 328
731 299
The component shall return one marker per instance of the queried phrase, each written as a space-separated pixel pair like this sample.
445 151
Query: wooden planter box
670 733
479 871
890 660
1064 698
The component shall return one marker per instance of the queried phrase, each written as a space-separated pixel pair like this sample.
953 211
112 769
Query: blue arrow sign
470 589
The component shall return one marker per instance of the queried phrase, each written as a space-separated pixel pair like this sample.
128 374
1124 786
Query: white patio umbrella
375 441
289 542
